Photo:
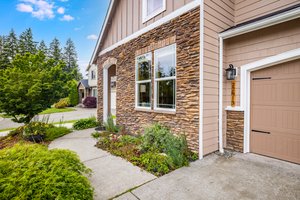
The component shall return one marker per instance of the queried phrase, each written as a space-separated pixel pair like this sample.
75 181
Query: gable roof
109 12
84 82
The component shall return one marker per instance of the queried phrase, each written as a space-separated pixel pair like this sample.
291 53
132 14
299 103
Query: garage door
275 111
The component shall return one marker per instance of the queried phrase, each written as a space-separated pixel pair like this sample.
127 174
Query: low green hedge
31 171
56 132
86 123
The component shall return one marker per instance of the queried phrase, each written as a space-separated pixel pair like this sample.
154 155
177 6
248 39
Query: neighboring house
88 87
169 59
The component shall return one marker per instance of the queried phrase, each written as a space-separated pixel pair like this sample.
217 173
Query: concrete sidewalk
79 113
243 176
111 175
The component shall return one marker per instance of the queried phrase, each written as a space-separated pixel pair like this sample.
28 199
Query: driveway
79 113
243 176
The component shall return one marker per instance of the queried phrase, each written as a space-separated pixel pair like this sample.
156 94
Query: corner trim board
201 63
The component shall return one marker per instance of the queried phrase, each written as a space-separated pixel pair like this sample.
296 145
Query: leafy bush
56 132
34 172
156 163
90 102
36 128
158 138
86 123
73 92
110 125
65 102
95 135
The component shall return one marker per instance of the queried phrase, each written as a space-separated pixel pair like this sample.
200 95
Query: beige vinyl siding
127 19
255 46
218 16
249 9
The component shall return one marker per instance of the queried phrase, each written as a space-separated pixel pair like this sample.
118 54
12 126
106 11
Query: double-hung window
143 81
93 75
151 8
165 78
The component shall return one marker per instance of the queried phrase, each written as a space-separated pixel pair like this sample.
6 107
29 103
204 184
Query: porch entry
275 111
109 91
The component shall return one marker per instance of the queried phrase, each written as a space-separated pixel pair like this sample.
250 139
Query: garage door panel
275 111
276 118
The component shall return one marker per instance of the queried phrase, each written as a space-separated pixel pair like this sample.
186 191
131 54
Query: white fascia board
270 21
101 33
159 22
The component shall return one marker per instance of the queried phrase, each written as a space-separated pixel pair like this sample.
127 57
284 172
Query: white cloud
61 10
78 28
40 9
63 0
92 37
24 8
67 18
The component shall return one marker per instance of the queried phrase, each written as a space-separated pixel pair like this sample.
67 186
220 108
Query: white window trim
143 81
93 73
164 79
157 12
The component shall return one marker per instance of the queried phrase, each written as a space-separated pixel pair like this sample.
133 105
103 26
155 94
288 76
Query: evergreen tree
43 48
11 45
9 49
55 50
70 58
26 43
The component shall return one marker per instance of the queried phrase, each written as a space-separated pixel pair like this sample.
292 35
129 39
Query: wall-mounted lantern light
231 72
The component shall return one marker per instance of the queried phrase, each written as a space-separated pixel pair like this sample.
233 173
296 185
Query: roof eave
100 37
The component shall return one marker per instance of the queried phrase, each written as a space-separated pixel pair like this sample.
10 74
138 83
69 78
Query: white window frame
93 73
144 81
164 79
157 12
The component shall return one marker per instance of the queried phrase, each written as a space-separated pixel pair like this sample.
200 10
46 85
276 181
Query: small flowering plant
36 128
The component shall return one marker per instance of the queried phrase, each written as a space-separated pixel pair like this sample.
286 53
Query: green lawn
57 110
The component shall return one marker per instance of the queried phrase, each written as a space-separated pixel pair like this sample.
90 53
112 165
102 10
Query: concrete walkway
79 113
111 175
243 176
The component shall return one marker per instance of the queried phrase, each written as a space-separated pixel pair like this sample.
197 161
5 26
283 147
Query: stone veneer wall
185 30
235 130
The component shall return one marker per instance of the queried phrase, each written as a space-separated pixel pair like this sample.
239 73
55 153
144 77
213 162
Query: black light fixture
230 72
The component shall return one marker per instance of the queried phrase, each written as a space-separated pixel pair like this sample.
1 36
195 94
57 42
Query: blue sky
80 20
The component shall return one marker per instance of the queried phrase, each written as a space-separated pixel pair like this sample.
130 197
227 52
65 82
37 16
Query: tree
55 50
70 58
9 49
26 43
73 92
31 85
43 48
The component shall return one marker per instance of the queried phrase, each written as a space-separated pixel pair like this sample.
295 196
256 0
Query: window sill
169 112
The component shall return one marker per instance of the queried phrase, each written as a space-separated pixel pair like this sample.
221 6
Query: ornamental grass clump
31 171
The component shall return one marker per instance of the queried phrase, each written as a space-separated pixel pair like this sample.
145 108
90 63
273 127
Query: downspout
221 149
201 62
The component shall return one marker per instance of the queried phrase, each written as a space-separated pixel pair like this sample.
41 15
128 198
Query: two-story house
226 73
88 87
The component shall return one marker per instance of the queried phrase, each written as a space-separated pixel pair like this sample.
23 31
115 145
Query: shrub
110 125
156 163
35 128
86 123
73 92
65 102
90 102
34 172
158 138
95 135
56 132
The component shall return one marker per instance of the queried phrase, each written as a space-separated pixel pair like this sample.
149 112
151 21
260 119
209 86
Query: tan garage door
275 111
